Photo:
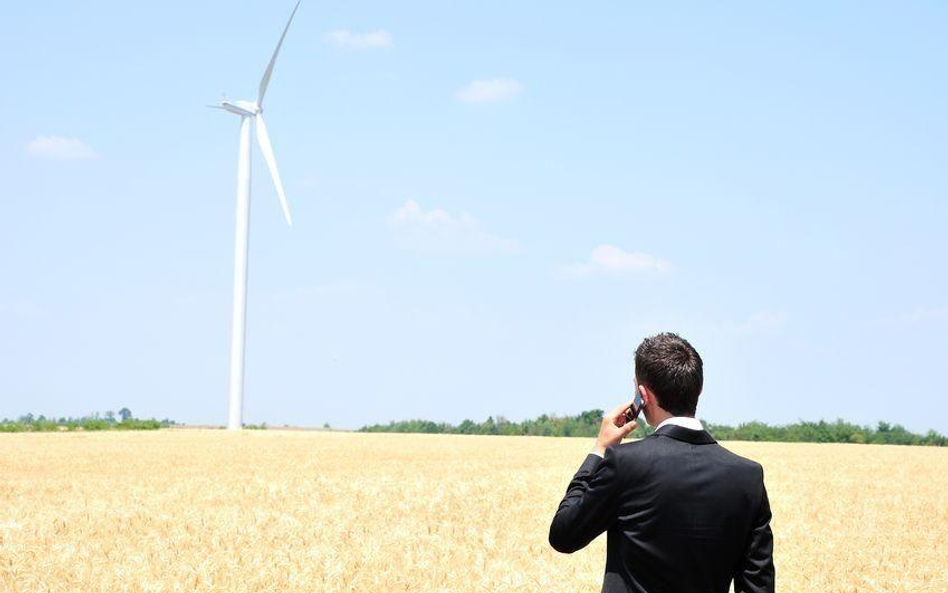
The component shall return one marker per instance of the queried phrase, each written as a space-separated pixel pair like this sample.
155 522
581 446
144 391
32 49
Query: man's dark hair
672 369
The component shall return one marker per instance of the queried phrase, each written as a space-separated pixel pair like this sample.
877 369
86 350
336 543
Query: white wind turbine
248 111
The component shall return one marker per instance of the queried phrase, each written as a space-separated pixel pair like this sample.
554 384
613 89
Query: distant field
325 512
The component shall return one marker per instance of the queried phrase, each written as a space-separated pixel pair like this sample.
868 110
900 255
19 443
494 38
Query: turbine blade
266 75
214 107
263 139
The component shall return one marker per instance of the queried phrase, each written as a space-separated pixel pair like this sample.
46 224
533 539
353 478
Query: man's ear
647 396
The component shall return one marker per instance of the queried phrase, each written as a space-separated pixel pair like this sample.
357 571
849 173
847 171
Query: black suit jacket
682 514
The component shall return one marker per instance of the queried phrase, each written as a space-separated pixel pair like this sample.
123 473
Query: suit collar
695 437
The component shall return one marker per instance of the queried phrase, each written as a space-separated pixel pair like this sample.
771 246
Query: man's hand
614 428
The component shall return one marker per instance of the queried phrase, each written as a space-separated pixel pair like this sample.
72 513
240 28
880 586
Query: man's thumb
629 427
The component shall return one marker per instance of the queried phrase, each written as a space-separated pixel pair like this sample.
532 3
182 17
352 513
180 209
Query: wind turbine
249 111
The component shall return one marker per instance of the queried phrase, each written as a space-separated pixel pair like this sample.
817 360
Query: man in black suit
681 513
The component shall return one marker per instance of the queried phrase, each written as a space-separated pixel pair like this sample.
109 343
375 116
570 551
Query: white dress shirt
682 421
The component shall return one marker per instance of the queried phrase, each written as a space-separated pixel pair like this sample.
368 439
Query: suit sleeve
589 506
756 573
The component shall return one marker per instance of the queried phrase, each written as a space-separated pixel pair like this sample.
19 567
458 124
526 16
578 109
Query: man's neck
659 415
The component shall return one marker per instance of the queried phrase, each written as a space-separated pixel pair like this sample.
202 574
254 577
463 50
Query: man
682 514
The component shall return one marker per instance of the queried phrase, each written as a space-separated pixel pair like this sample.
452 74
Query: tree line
586 424
122 420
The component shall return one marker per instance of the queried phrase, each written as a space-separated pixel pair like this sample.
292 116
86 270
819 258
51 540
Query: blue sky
493 203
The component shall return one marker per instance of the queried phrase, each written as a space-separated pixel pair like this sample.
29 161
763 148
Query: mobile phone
633 412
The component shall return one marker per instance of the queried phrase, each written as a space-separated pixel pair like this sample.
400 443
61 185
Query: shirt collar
682 421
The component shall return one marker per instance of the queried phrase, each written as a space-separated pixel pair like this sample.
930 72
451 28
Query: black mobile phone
633 412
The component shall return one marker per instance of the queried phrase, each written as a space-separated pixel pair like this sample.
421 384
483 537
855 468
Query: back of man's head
672 369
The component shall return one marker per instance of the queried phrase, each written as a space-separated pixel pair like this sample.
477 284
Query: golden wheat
189 510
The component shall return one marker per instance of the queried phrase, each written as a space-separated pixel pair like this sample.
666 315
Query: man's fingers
628 428
621 409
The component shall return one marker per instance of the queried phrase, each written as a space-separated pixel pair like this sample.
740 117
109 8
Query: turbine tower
249 112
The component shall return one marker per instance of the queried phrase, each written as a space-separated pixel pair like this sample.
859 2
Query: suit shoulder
740 463
633 458
636 449
632 446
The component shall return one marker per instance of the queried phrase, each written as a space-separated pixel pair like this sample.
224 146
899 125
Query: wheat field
210 511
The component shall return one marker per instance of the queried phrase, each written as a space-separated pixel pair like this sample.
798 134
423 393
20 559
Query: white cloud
490 90
20 308
923 315
438 231
343 39
60 148
609 259
763 322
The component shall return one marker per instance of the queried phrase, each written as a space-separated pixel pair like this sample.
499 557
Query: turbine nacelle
242 108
